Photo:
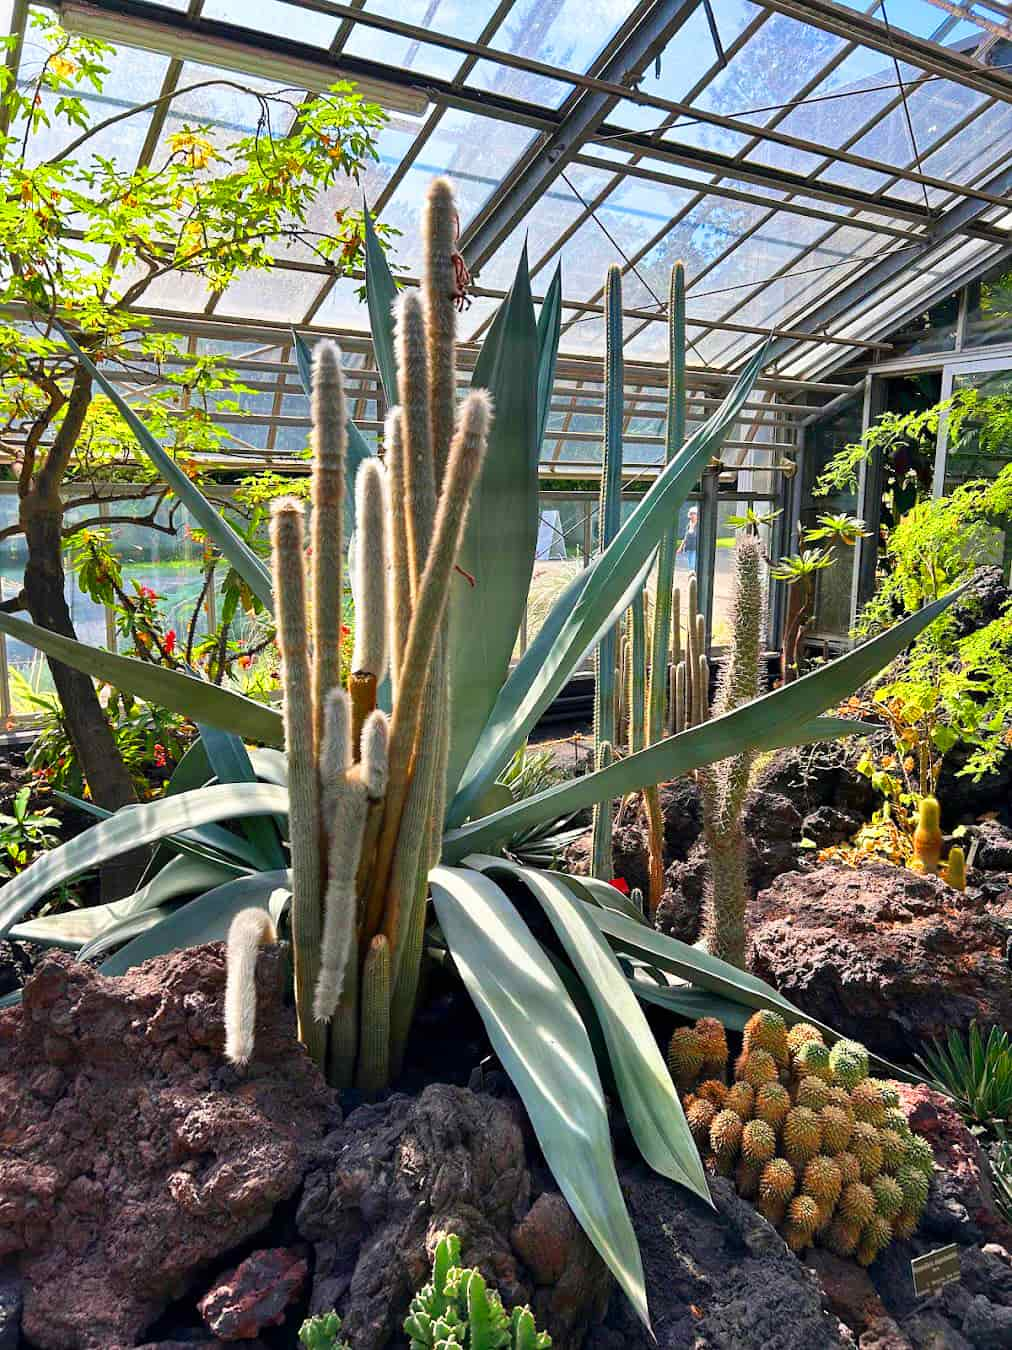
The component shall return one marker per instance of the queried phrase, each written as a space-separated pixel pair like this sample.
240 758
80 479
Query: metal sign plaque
935 1270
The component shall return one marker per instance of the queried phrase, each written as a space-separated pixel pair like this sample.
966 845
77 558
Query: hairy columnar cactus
329 444
608 521
374 1041
248 932
369 655
724 785
303 783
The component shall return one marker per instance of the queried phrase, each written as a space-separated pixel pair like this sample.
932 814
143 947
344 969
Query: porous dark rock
255 1295
10 1310
829 825
398 1174
717 1279
882 954
814 776
131 1153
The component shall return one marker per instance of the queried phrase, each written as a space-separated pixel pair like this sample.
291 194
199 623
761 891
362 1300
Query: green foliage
1001 1175
457 1309
322 1333
151 740
976 1073
24 833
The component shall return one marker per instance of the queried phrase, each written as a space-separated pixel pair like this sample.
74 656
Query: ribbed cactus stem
680 723
369 654
439 286
466 456
416 432
691 654
303 788
397 545
329 439
247 933
405 990
638 674
373 1072
664 610
701 691
602 863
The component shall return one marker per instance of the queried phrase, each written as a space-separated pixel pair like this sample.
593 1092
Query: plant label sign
935 1270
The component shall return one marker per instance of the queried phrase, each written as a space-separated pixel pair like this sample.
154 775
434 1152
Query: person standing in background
690 540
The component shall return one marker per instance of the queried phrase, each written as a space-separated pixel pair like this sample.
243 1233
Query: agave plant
975 1072
223 826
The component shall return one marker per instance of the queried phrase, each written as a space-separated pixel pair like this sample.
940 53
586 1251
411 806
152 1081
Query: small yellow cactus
927 837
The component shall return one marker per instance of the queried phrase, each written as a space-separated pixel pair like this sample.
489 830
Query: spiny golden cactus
954 871
827 1155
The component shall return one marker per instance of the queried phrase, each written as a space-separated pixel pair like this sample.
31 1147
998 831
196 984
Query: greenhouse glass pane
568 34
272 16
989 313
457 18
474 152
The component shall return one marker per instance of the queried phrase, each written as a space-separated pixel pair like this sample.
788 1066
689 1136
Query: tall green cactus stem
439 234
638 673
373 1071
247 933
346 792
329 439
416 432
601 858
725 784
701 692
678 700
609 520
691 652
661 650
405 989
463 467
303 789
400 565
369 654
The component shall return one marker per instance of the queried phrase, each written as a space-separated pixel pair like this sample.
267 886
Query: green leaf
786 716
542 672
209 518
649 1100
380 294
543 1045
502 526
549 329
693 1003
197 699
205 919
670 758
270 766
129 829
78 927
230 762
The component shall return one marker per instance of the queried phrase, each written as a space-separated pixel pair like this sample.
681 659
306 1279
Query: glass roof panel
273 16
473 151
457 18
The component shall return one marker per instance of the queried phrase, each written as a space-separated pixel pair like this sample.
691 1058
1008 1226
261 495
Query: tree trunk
94 744
41 518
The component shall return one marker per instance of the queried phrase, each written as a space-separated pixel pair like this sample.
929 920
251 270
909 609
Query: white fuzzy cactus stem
347 794
303 783
397 544
247 933
416 431
329 445
369 655
439 285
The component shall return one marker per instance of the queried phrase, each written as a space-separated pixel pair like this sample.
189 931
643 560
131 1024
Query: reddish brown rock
882 954
130 1153
399 1174
254 1295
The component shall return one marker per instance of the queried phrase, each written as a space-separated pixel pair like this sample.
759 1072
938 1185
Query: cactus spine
608 521
724 785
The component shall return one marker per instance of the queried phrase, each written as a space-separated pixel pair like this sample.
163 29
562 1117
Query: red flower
170 641
160 757
345 630
245 662
620 884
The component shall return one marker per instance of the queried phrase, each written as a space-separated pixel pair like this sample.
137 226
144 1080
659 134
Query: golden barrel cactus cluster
822 1148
